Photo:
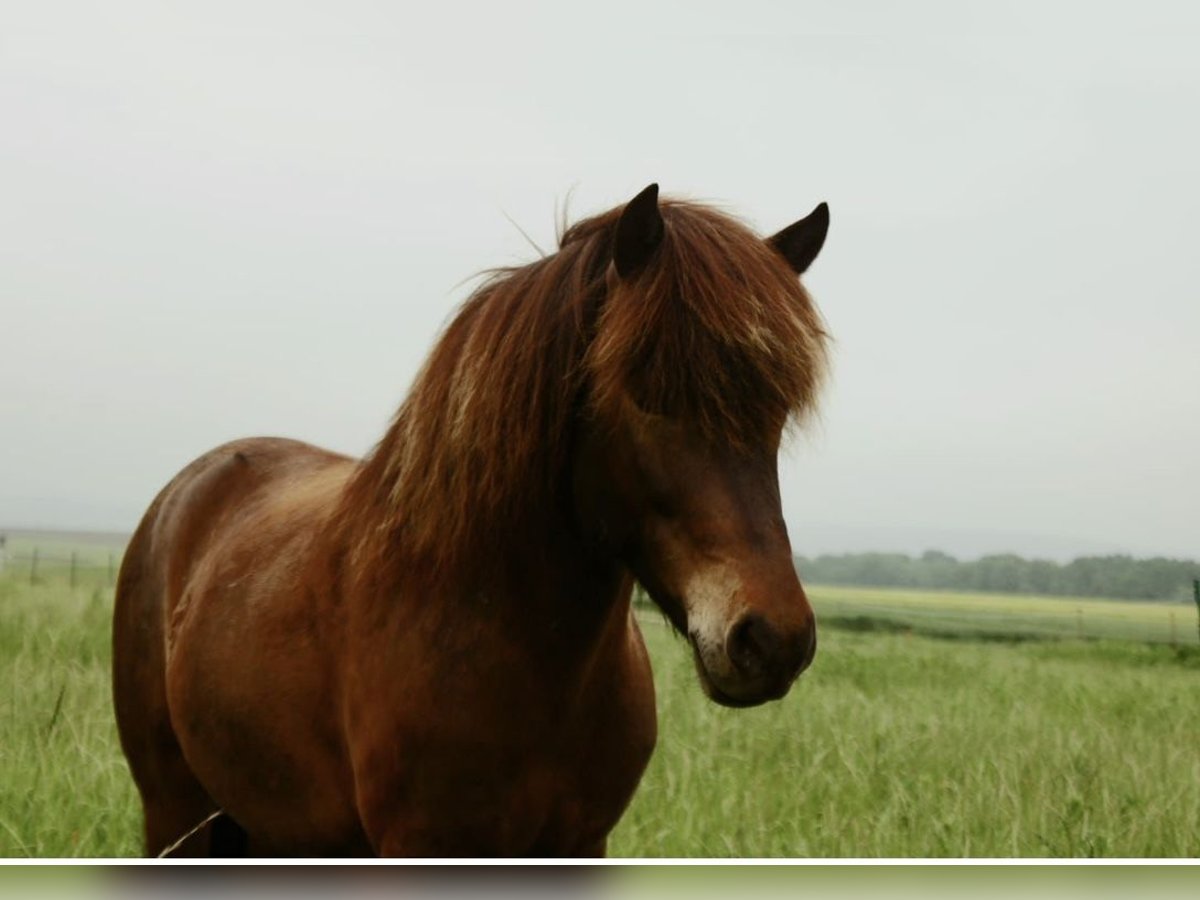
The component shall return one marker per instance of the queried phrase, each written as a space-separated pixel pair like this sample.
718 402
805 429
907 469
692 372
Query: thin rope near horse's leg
176 845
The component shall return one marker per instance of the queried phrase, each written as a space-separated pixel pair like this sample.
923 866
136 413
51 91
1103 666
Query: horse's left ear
801 241
639 232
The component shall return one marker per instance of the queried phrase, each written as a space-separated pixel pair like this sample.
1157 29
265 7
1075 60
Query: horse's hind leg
173 800
178 811
209 837
175 808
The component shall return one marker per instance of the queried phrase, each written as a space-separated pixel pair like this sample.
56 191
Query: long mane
716 331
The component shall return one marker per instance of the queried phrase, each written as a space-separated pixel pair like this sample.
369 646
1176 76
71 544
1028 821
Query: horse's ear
801 241
639 232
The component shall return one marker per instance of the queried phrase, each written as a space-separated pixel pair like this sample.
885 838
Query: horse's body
536 733
432 652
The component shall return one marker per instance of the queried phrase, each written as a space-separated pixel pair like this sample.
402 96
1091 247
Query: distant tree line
1089 576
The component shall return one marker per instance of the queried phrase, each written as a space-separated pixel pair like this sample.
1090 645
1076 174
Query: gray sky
249 218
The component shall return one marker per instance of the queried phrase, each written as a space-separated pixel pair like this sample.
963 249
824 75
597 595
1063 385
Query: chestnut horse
431 651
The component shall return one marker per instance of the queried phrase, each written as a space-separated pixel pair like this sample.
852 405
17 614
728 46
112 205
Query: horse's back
196 509
223 509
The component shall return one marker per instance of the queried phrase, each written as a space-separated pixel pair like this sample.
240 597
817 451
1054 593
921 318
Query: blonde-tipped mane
716 331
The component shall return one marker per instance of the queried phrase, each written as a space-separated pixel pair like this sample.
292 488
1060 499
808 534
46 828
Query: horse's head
705 347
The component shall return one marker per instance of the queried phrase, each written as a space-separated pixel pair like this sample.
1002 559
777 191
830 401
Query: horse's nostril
752 644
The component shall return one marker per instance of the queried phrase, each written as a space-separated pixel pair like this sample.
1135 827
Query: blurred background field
1006 616
931 724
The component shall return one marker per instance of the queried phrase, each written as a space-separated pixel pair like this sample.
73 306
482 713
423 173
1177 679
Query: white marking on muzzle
709 598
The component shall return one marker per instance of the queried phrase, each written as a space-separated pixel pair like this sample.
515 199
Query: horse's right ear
639 232
801 241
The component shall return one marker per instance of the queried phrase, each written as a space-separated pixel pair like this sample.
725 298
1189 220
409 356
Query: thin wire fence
75 569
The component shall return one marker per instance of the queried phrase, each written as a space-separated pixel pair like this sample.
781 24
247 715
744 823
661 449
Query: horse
432 651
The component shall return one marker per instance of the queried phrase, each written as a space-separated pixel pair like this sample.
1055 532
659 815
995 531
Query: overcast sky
219 220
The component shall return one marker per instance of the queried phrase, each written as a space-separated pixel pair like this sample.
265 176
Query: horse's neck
565 602
558 584
570 587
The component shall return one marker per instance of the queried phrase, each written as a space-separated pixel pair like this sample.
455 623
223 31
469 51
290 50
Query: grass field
1011 616
894 744
64 788
898 745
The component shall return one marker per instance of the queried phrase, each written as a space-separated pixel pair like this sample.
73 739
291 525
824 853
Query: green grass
64 786
893 744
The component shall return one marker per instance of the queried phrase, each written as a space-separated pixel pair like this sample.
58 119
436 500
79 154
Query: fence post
1196 595
33 567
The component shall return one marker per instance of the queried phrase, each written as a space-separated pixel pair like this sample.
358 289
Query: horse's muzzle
757 661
